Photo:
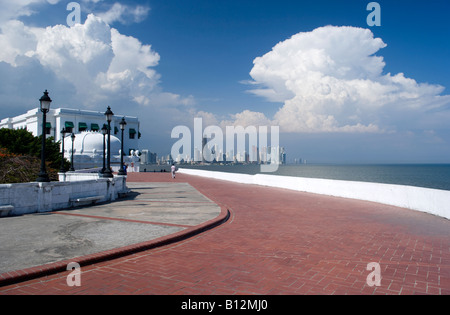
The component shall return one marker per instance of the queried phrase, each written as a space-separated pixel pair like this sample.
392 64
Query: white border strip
433 201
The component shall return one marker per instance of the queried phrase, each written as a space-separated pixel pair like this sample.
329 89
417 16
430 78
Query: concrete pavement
153 214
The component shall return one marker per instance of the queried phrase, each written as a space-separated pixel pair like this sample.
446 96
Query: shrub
20 154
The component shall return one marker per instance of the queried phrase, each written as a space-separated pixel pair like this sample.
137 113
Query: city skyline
340 89
255 155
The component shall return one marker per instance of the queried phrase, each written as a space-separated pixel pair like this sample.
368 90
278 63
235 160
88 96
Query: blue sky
199 36
175 60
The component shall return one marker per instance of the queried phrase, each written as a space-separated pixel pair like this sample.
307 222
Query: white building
76 121
86 126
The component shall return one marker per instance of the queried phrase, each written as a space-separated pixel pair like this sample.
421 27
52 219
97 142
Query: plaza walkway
277 242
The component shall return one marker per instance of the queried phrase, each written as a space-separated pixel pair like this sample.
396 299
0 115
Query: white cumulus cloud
124 13
17 40
247 118
330 80
95 58
77 54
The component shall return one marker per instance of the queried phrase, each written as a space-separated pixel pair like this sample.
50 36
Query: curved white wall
432 201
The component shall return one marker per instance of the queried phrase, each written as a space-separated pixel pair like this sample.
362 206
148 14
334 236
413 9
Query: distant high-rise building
197 156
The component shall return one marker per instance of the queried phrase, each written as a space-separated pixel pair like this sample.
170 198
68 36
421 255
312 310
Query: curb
17 276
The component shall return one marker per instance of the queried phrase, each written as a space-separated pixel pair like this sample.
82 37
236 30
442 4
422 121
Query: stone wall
26 198
432 201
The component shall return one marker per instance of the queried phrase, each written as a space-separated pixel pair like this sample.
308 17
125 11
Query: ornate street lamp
104 132
45 102
123 123
109 116
63 135
72 169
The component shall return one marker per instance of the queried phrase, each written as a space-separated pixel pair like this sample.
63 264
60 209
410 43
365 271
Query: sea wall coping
26 198
433 201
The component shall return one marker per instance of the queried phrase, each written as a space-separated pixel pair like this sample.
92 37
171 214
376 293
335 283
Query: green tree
19 141
22 143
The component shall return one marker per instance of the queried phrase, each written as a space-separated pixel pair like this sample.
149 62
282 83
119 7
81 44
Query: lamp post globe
109 114
45 102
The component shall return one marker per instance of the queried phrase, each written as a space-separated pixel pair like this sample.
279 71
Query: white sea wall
26 198
427 200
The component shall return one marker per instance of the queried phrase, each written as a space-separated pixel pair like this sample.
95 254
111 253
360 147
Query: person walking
173 169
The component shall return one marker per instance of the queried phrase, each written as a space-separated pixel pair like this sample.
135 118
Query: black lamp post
45 102
72 169
109 116
123 123
104 132
63 134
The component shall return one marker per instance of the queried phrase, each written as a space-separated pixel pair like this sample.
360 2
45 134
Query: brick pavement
278 242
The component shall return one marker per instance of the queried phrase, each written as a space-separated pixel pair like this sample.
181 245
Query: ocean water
435 176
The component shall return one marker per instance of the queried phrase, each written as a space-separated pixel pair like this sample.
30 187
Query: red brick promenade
278 242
